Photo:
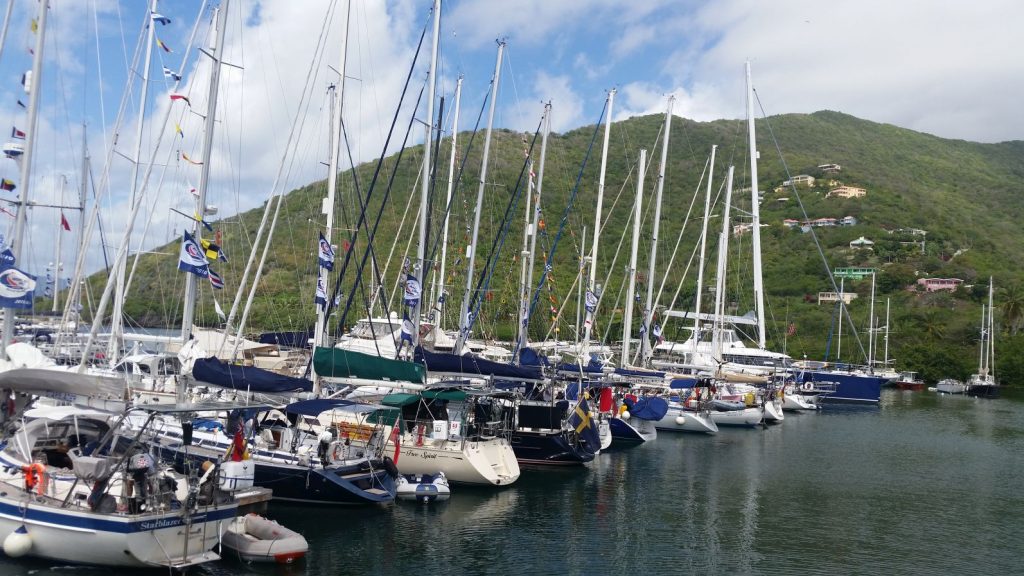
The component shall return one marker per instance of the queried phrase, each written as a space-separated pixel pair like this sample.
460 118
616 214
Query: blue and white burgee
325 254
192 258
413 290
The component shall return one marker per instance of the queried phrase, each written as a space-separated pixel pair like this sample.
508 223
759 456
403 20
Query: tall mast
116 320
56 261
421 249
755 215
588 323
886 348
464 317
337 100
627 321
533 221
648 320
439 278
991 334
703 247
7 24
26 159
74 294
871 327
216 53
723 256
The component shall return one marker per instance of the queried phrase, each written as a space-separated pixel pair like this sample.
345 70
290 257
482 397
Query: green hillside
969 197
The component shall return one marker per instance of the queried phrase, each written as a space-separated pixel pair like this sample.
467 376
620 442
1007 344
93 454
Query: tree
1013 308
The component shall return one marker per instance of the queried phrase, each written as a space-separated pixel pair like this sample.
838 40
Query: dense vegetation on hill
967 196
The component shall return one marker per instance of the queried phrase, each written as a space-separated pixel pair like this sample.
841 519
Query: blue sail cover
213 371
468 364
300 339
649 408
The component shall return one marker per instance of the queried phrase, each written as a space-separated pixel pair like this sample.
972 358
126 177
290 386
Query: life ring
35 477
807 386
337 454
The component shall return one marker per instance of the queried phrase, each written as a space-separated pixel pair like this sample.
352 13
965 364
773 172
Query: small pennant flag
219 311
35 26
19 134
163 46
7 185
407 328
64 222
160 18
171 74
189 160
21 104
203 222
212 250
216 281
178 130
591 301
321 291
182 97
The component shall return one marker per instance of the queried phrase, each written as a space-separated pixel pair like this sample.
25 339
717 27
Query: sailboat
984 382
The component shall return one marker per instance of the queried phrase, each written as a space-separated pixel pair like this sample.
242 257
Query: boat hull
851 388
549 448
914 386
84 537
679 419
983 390
747 417
632 431
489 462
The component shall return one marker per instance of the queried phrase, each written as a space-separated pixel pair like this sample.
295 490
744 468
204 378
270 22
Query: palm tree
1013 307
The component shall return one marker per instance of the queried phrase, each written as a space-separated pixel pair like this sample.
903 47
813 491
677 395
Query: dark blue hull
855 388
554 448
624 433
363 483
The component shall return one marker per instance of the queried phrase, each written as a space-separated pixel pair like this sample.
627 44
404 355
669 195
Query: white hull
83 537
773 411
794 401
951 387
744 417
483 462
681 420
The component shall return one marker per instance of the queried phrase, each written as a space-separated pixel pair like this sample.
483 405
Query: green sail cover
338 363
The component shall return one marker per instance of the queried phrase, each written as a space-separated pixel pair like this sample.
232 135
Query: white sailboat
984 382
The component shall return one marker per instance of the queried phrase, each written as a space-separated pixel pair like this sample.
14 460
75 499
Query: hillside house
862 242
740 229
848 221
800 180
834 297
829 168
790 223
823 222
937 284
847 192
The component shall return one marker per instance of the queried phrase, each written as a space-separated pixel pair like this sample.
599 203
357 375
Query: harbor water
921 484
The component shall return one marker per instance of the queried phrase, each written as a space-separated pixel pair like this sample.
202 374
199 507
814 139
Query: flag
203 222
656 332
219 311
591 301
215 280
212 250
326 254
191 258
19 134
64 222
34 26
163 46
192 190
22 104
182 97
160 18
585 427
407 328
412 291
171 74
320 299
8 185
179 132
16 288
189 160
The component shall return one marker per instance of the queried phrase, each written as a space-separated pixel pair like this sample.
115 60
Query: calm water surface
920 485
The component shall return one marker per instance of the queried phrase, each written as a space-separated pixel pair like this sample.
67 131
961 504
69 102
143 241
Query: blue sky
949 68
